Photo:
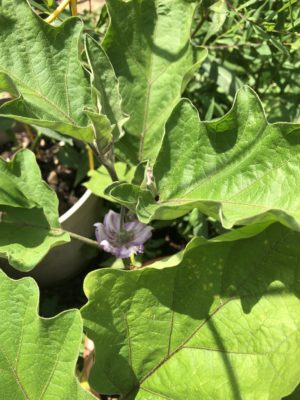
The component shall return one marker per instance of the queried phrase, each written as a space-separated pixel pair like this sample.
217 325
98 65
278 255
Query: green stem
127 263
35 142
83 239
111 170
107 164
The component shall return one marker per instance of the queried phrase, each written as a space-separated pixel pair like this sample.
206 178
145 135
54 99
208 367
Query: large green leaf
238 169
223 324
148 43
37 356
29 224
43 63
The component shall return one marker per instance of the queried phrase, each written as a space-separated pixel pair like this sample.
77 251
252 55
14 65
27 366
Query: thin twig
73 6
57 11
90 155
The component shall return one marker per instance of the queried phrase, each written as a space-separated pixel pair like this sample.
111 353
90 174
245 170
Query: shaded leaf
29 224
295 395
37 356
223 324
106 86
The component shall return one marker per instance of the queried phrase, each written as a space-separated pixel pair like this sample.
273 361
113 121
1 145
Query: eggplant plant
218 320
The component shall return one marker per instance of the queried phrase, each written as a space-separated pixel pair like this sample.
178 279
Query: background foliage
249 42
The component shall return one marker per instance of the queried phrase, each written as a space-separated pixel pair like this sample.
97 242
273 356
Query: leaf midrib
38 94
228 200
223 169
15 374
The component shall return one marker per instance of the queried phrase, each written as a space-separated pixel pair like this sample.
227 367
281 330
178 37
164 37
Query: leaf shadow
185 307
232 378
244 271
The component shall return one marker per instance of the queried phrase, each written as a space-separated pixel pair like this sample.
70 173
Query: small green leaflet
106 86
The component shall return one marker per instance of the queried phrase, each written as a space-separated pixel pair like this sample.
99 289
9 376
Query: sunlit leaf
37 356
42 61
148 43
29 224
222 324
238 169
100 179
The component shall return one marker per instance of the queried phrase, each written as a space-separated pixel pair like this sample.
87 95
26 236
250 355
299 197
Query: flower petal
115 241
125 252
112 221
142 235
100 232
106 246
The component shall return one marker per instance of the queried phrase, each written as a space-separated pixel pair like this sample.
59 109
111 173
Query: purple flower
121 241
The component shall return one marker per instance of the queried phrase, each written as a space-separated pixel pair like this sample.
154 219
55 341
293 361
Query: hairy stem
106 163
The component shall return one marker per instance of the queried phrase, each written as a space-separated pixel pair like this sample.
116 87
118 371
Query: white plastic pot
66 261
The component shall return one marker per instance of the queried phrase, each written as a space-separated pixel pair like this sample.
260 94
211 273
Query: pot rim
75 207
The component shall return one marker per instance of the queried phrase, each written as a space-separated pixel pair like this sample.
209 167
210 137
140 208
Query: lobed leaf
29 224
50 87
148 43
222 324
238 169
37 356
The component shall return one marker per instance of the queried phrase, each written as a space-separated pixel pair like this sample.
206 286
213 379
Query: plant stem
90 158
111 170
57 11
73 6
106 163
83 239
126 263
35 141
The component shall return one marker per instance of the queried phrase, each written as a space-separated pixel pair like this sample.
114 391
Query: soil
60 177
